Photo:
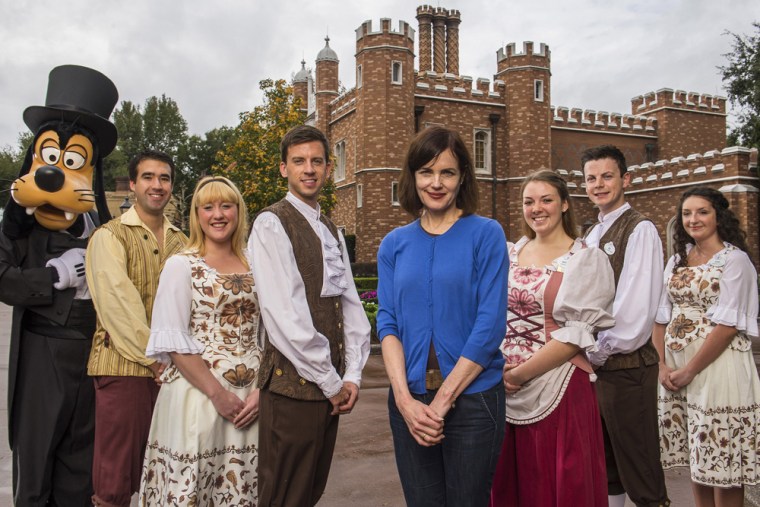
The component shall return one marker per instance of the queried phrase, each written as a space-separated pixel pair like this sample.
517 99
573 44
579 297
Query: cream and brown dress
194 456
712 425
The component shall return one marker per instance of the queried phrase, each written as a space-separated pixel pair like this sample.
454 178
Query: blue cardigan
451 289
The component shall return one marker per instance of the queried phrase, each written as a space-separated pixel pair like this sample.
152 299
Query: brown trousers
123 411
628 405
296 443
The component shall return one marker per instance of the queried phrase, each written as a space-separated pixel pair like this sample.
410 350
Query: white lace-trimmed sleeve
665 307
584 300
170 325
737 302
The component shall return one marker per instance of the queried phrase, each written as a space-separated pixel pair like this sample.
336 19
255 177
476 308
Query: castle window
396 72
394 193
359 195
538 90
482 151
340 161
359 76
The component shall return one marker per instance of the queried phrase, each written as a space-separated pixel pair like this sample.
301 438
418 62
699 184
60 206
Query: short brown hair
602 152
300 135
157 155
426 147
555 180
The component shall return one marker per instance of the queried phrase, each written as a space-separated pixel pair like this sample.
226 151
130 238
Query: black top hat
81 95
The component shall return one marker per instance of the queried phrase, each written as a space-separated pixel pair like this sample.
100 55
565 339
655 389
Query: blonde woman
203 442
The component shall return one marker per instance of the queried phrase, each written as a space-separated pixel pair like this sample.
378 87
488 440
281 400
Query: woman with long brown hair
560 293
709 400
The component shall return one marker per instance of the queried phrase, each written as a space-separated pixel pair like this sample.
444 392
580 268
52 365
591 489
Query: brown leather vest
276 372
617 236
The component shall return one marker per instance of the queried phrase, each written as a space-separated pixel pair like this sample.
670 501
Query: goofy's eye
73 160
50 154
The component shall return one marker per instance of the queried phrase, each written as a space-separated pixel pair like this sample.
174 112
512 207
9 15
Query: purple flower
370 294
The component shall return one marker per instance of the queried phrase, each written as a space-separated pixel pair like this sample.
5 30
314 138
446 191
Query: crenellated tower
386 97
527 83
384 122
687 122
327 84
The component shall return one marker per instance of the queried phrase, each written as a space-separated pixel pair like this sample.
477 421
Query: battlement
510 51
602 121
678 99
343 103
692 169
450 86
426 10
365 30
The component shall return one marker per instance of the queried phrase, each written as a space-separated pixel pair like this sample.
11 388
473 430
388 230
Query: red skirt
557 461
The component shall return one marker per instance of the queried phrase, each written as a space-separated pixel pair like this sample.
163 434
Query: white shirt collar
613 215
302 207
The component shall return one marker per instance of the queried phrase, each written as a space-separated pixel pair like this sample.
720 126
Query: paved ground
363 472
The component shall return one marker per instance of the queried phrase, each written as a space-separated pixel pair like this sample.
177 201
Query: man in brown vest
317 331
625 358
124 259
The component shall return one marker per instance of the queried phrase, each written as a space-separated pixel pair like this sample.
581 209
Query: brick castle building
672 139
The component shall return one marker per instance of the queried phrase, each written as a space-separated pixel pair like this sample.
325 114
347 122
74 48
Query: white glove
70 268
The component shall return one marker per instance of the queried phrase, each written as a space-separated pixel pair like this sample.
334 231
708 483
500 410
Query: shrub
364 269
351 246
365 284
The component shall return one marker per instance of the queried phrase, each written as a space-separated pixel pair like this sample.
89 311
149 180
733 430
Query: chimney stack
425 19
439 39
452 42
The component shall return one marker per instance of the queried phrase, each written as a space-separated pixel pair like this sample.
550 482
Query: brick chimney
452 42
439 39
425 20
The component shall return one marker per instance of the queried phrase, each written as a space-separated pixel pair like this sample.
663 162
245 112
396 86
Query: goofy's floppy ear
100 192
16 223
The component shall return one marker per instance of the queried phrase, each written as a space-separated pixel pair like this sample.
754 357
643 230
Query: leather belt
433 379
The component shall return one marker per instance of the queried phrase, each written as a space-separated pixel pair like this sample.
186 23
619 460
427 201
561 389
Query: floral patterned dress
713 424
194 456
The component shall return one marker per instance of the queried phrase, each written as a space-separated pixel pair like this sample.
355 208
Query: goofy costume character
56 203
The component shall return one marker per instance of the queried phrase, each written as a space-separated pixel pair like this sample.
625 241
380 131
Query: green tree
11 160
195 159
252 158
164 128
158 125
129 122
742 82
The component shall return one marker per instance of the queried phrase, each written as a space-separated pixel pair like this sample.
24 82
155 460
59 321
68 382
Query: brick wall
671 139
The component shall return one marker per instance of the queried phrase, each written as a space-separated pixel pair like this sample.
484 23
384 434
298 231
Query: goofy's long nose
49 178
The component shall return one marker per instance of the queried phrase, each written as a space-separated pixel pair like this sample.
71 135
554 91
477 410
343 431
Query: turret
301 86
327 84
526 76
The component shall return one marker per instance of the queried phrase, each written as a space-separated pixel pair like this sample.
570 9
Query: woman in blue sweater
442 292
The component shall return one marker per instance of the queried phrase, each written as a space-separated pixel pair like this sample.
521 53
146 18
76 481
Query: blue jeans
457 472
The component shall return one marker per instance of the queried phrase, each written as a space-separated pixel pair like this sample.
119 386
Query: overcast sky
210 56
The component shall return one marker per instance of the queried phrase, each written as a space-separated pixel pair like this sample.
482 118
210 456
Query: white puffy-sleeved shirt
638 289
284 309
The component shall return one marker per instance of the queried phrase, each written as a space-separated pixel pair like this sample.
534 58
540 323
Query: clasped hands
511 383
425 422
673 380
238 412
344 401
